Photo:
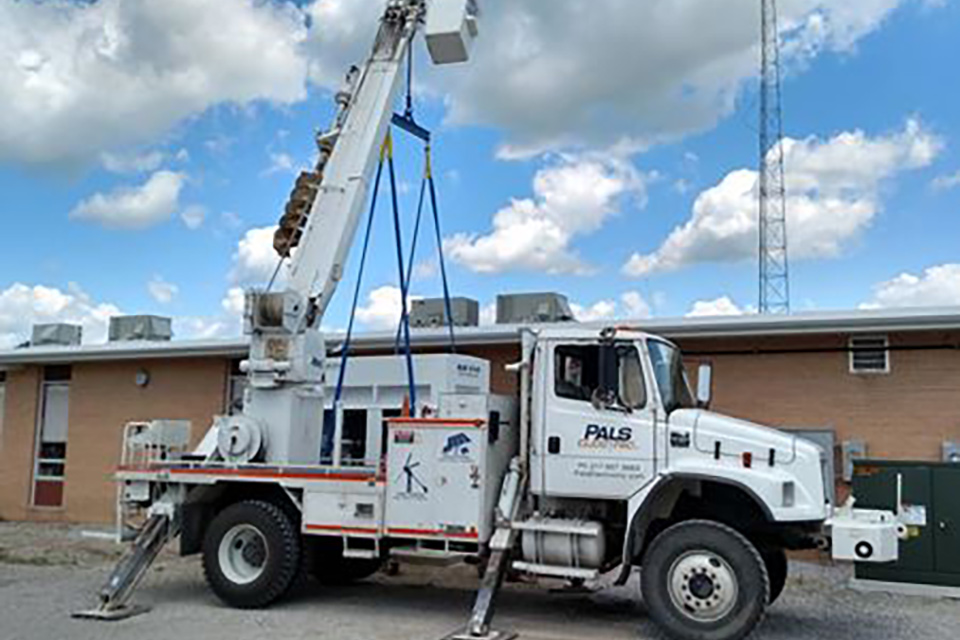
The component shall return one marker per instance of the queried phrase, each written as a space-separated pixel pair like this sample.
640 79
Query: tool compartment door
435 478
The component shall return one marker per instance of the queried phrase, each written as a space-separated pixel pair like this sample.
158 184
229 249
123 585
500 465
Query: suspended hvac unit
150 328
533 308
62 335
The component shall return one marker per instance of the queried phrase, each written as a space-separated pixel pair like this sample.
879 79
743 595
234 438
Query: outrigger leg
502 542
155 533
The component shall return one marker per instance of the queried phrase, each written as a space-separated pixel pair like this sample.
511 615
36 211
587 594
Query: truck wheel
251 554
776 562
702 580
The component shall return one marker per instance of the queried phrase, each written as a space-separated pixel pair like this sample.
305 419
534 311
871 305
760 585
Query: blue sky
601 156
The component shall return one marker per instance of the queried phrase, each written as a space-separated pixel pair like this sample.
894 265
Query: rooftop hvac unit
151 328
533 308
432 313
63 335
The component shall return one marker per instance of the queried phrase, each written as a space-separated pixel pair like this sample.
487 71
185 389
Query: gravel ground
47 571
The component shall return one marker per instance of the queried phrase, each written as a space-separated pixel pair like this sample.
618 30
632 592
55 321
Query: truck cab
631 470
614 415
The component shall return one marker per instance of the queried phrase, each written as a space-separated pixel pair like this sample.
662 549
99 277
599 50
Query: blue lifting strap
426 185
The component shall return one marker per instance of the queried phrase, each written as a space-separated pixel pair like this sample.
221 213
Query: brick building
885 381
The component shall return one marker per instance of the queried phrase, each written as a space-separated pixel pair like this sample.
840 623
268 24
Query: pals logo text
597 436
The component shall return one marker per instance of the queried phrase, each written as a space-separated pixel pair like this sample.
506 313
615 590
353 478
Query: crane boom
318 264
285 369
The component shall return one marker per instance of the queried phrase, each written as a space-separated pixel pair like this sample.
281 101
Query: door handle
943 526
553 445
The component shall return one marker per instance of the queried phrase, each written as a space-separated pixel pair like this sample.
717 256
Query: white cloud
193 216
946 182
426 269
233 303
132 162
79 78
162 291
630 306
136 207
280 163
342 36
937 286
833 193
22 306
602 310
635 306
228 324
164 62
722 306
382 309
570 73
231 220
255 260
572 197
488 314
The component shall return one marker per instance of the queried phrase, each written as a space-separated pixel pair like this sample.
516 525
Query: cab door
599 423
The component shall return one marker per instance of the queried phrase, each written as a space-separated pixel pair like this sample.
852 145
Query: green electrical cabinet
930 561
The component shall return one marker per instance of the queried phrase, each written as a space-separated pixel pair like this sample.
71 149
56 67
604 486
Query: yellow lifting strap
386 151
428 163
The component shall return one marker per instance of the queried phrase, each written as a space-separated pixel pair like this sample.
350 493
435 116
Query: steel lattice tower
774 267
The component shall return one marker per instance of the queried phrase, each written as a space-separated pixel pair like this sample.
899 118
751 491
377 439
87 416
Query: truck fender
656 500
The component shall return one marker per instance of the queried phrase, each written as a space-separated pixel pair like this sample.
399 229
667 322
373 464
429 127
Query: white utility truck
602 463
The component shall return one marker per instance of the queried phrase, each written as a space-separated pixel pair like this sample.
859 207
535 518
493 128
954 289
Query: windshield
671 377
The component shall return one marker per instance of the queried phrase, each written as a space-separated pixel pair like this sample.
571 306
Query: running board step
551 571
432 557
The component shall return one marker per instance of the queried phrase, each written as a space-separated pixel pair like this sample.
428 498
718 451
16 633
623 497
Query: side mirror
704 385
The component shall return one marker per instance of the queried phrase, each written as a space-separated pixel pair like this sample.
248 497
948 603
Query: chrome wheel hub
243 554
703 586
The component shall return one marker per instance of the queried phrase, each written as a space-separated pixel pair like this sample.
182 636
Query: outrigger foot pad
117 613
464 634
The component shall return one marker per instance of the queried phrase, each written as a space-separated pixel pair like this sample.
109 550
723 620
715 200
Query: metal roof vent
56 335
432 313
150 328
533 308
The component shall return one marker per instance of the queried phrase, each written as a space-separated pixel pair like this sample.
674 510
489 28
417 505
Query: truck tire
702 580
251 554
776 561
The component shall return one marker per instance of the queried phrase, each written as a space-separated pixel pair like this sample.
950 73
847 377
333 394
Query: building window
51 452
869 354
